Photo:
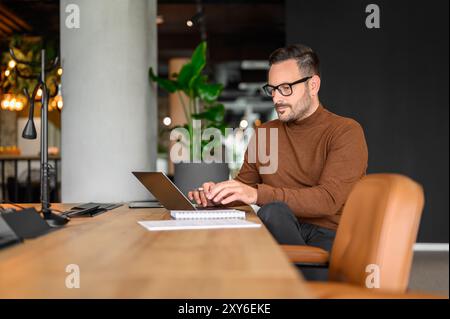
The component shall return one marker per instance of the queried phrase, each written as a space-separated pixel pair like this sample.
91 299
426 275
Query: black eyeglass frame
290 86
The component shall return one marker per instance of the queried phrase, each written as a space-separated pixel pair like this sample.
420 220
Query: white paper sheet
157 225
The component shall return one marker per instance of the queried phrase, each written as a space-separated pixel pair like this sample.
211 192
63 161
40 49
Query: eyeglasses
285 89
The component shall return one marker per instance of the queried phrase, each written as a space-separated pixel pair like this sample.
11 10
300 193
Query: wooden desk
120 259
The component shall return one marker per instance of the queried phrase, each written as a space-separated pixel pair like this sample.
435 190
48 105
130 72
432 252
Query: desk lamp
29 132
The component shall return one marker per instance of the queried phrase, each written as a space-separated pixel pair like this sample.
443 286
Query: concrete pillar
109 122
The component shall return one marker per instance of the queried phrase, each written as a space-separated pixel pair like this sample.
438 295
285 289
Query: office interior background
106 118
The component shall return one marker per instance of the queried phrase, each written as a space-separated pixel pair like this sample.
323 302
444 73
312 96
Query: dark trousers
287 230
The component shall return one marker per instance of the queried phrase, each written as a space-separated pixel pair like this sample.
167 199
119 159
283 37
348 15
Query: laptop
167 192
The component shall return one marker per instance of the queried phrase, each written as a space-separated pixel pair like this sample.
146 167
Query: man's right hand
199 196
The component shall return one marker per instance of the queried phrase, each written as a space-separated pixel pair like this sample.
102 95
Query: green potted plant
201 105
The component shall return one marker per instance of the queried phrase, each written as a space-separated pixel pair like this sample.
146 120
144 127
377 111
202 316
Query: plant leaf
198 59
166 84
185 76
209 92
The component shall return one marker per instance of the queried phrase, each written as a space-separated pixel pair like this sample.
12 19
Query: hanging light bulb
159 19
58 100
19 106
167 121
12 102
243 124
5 104
196 19
11 64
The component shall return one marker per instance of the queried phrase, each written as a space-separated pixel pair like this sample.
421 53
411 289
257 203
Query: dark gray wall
394 81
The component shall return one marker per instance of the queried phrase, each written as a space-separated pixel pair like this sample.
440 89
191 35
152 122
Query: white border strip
431 247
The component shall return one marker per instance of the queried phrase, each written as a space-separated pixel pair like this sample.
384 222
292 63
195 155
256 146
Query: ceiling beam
9 22
13 17
5 28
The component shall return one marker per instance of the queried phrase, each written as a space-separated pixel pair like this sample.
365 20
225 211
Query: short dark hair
307 59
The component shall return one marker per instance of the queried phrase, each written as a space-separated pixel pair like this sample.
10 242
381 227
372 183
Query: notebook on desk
161 225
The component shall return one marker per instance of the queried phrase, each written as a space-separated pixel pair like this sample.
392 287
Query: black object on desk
7 235
29 132
90 209
145 204
26 223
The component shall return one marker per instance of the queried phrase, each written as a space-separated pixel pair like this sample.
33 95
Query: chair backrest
375 238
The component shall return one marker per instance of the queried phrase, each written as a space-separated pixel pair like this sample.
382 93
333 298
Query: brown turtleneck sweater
320 158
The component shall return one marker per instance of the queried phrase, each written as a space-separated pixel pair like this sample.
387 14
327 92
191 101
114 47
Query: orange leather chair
378 226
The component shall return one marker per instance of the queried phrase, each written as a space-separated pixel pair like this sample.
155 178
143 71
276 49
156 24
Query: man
320 157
